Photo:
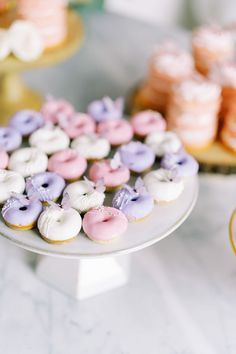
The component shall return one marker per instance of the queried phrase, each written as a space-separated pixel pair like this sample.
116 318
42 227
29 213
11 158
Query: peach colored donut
104 224
146 122
78 124
116 131
113 177
4 158
68 164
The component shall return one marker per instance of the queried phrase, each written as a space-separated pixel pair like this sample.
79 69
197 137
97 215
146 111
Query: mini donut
26 121
10 139
163 185
20 212
25 40
59 225
67 163
46 186
135 202
85 195
104 224
163 143
136 156
116 131
184 164
10 181
4 158
146 122
112 174
91 146
28 161
54 109
77 124
49 139
106 108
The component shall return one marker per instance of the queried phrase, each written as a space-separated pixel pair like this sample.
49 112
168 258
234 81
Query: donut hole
134 199
106 220
28 120
5 135
45 185
23 208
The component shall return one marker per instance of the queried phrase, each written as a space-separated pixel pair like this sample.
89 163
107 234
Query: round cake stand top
164 219
52 55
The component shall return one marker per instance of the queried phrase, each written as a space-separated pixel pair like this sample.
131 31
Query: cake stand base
85 277
15 95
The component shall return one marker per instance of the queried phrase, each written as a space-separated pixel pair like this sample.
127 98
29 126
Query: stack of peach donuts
58 179
198 102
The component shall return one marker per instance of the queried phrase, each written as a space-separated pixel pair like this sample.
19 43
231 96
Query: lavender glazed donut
184 164
116 131
135 202
26 121
10 138
106 108
112 171
46 186
77 124
146 122
67 163
136 156
104 224
20 212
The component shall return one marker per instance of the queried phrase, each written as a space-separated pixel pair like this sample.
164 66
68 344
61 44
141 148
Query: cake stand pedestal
14 94
84 268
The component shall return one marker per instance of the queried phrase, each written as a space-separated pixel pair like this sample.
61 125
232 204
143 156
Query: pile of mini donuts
56 166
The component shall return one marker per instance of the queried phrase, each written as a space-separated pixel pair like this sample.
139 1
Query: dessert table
181 294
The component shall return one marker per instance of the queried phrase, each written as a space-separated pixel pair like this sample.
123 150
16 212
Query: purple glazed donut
106 108
20 212
136 156
26 121
46 186
184 164
135 202
10 138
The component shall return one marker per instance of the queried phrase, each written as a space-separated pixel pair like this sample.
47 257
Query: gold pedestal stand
14 94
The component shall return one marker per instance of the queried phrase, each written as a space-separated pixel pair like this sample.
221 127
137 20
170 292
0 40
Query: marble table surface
181 298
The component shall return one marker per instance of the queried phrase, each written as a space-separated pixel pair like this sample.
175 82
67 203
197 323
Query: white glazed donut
25 41
28 161
163 185
83 196
163 142
58 225
91 146
10 181
4 44
49 139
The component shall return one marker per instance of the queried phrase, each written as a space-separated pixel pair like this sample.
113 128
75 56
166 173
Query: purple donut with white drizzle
47 186
135 202
184 164
137 156
106 108
10 138
20 212
26 121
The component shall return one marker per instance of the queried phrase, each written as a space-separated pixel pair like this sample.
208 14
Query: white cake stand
84 268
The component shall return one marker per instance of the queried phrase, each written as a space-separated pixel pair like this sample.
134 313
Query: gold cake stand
14 94
214 159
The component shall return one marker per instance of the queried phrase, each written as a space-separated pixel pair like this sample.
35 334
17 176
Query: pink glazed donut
53 109
146 122
68 164
116 131
113 177
104 224
4 158
77 124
